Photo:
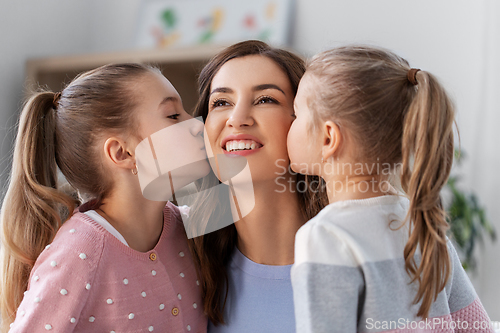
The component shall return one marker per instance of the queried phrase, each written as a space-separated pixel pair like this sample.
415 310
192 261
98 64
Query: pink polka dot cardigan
88 281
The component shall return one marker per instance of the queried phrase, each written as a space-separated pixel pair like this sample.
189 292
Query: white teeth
241 145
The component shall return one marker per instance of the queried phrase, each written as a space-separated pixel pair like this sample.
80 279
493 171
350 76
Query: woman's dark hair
213 251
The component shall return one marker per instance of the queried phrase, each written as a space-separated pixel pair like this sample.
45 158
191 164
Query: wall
33 29
454 39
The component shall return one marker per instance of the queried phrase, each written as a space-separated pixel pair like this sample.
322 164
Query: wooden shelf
181 66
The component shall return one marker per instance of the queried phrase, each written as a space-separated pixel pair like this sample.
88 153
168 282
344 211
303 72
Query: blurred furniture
181 66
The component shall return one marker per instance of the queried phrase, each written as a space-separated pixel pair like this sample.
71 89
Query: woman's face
249 114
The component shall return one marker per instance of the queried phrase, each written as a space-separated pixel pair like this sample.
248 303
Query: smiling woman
247 94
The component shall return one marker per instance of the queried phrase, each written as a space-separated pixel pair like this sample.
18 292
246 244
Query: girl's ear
117 152
332 139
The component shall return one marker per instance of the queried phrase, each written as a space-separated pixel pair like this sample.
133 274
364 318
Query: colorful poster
174 23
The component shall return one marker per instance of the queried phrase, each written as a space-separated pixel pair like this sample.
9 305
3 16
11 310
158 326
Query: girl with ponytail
119 262
377 258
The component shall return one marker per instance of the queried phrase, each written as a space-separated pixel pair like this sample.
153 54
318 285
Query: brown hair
390 120
58 131
213 251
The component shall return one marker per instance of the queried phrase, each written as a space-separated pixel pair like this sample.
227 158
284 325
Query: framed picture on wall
175 23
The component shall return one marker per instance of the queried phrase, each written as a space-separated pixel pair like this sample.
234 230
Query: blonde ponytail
32 208
427 156
396 115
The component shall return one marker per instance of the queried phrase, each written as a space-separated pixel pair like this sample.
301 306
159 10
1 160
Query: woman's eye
174 116
267 99
219 102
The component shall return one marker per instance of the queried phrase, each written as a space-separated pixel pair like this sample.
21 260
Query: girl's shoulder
78 243
173 219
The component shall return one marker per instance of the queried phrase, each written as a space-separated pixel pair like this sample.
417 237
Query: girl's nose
197 128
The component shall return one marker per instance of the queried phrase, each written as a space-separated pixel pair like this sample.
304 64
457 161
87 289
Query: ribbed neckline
381 200
270 272
113 241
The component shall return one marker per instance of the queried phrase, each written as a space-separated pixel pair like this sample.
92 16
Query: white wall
450 38
33 29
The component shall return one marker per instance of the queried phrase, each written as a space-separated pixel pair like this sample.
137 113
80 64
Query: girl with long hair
119 262
376 259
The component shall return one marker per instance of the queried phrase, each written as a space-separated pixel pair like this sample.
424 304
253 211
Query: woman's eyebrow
222 90
267 86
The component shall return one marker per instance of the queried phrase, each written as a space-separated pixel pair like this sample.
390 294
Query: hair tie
57 96
412 76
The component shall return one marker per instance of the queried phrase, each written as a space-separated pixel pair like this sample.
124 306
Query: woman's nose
240 117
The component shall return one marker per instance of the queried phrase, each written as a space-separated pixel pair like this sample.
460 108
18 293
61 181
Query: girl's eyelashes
266 99
174 116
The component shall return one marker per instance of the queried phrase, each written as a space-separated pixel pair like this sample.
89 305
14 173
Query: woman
246 96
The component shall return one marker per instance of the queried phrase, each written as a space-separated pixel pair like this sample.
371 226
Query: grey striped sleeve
327 298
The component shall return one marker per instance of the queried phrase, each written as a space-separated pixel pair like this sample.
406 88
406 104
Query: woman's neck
138 220
267 234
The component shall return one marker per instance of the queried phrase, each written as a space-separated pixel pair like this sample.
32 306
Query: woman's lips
241 144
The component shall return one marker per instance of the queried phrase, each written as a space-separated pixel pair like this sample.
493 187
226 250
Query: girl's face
160 105
249 114
171 140
304 147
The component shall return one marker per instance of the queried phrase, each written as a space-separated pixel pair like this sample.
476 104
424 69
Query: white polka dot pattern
80 266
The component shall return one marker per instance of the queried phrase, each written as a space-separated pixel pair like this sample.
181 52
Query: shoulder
173 218
321 242
76 248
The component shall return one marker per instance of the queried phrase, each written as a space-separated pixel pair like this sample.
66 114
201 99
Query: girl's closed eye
174 116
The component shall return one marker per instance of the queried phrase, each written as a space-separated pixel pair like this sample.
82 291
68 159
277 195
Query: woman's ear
117 152
332 139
